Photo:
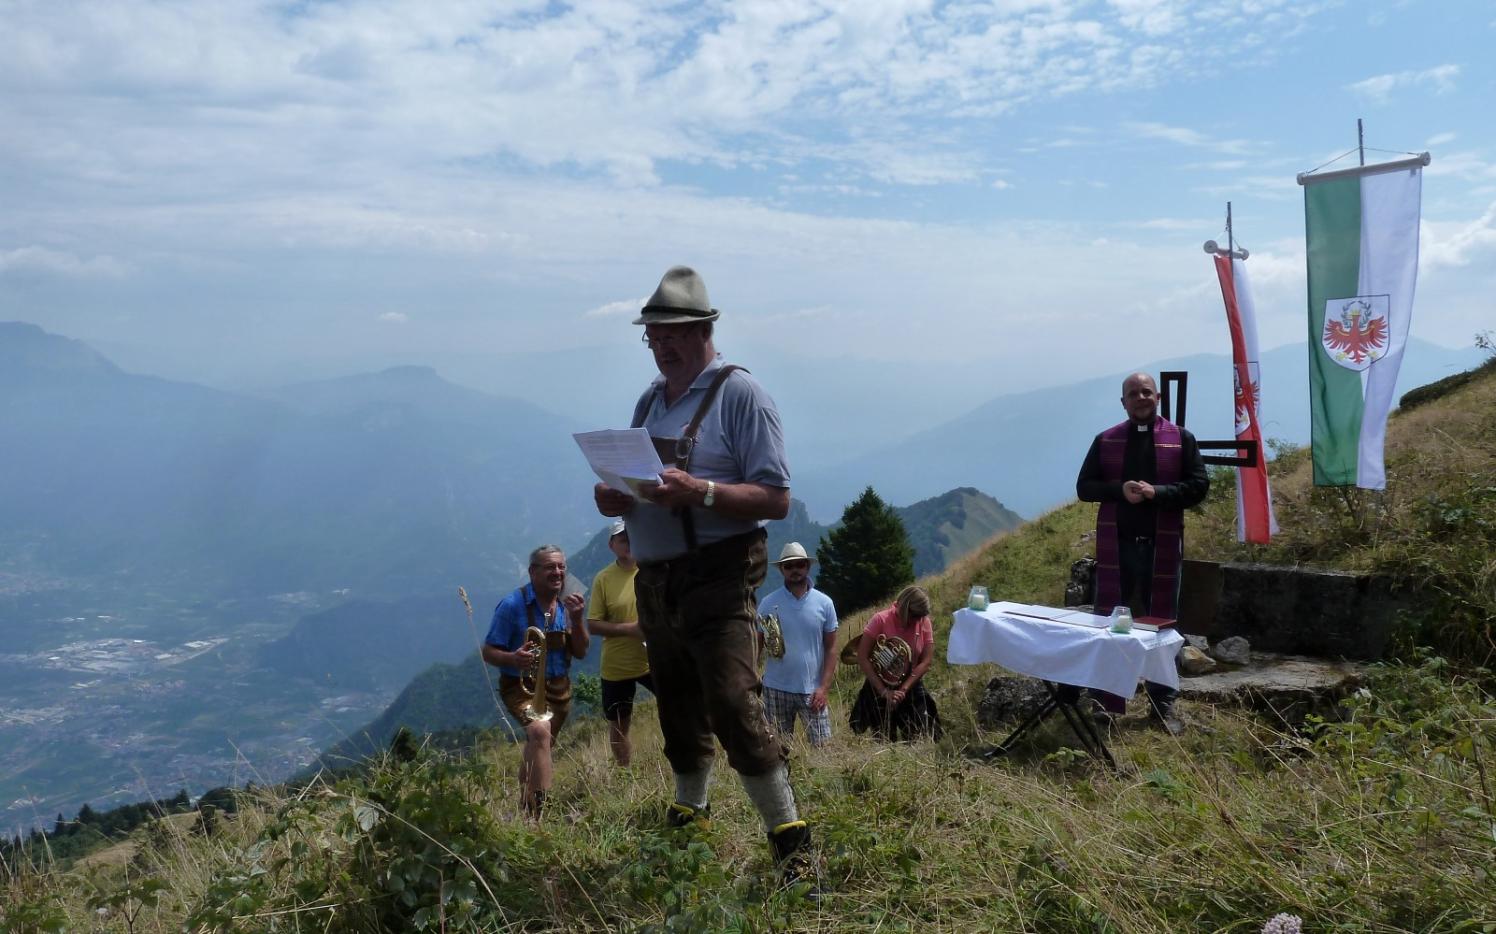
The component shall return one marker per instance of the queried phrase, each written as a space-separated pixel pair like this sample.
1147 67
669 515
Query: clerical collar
1142 426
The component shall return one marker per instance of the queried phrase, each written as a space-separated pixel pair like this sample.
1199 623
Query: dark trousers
699 617
916 717
1136 566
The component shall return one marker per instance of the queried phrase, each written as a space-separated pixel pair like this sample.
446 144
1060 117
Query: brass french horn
768 624
891 659
532 679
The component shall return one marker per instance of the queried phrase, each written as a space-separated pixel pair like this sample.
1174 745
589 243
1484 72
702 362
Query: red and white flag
1254 502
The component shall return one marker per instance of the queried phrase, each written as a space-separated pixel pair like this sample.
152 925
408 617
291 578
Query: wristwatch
711 494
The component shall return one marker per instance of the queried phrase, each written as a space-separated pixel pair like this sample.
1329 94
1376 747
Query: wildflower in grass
1284 923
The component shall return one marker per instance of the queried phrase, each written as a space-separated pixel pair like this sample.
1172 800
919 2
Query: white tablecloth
1008 634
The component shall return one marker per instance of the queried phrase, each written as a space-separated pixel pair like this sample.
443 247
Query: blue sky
1020 184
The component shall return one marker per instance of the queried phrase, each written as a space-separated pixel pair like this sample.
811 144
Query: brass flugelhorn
532 678
768 624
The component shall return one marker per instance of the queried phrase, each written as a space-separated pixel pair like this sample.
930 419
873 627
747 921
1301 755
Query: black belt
726 545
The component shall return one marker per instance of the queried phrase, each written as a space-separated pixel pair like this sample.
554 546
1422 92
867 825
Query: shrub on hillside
401 849
1438 389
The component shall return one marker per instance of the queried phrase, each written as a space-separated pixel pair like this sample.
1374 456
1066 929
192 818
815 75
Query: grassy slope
1383 825
1433 530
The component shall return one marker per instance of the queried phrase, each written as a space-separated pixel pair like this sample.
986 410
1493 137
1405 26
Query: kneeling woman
894 653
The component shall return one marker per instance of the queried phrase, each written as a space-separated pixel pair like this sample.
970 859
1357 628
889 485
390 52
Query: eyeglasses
794 565
677 337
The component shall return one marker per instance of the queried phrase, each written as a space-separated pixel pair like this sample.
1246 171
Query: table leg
1079 723
1082 727
1036 718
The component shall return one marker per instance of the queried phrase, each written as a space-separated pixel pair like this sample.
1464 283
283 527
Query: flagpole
1212 247
1361 140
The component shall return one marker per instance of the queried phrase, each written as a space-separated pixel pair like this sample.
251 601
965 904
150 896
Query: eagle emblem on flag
1248 395
1356 330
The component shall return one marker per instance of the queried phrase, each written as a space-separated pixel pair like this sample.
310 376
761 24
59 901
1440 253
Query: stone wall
1299 611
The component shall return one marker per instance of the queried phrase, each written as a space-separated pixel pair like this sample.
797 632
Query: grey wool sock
691 787
771 795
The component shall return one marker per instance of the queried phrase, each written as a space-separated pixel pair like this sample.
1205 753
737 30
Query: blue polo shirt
517 612
804 621
741 441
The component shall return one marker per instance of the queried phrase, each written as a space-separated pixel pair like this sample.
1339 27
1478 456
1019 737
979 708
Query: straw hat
793 551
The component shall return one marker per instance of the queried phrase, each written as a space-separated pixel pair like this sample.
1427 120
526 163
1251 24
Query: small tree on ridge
867 558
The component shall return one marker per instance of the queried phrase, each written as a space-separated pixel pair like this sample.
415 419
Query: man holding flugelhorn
535 682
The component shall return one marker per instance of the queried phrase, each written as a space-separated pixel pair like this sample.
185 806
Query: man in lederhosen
542 604
699 540
1144 472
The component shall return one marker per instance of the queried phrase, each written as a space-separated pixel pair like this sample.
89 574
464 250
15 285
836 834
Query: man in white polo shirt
796 685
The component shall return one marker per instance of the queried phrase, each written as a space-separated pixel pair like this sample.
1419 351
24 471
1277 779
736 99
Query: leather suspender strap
687 444
688 441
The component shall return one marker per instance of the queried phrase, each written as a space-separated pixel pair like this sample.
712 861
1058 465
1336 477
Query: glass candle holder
977 599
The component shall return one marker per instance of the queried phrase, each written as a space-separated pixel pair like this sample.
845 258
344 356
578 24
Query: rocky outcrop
1284 688
1193 663
1082 586
1232 650
1008 701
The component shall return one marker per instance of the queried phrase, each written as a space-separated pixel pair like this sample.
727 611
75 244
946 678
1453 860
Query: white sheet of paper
623 458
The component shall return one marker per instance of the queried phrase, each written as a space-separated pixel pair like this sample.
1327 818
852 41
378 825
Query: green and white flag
1361 228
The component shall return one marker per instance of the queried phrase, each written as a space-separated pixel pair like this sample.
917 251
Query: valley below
107 698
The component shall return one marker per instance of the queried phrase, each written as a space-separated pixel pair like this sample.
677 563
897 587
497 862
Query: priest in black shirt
1144 472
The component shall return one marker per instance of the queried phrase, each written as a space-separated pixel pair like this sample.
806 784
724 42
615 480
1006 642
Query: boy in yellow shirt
613 616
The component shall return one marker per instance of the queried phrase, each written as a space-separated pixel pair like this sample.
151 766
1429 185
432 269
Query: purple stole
1168 535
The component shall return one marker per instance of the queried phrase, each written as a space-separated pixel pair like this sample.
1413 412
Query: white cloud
1267 187
196 95
628 306
1175 224
39 260
1470 166
1219 165
1380 87
1184 136
394 317
1151 17
1456 244
772 323
1439 139
850 191
850 160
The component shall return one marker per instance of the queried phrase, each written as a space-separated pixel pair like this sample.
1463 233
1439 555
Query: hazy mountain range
194 580
385 484
912 430
1025 449
199 585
